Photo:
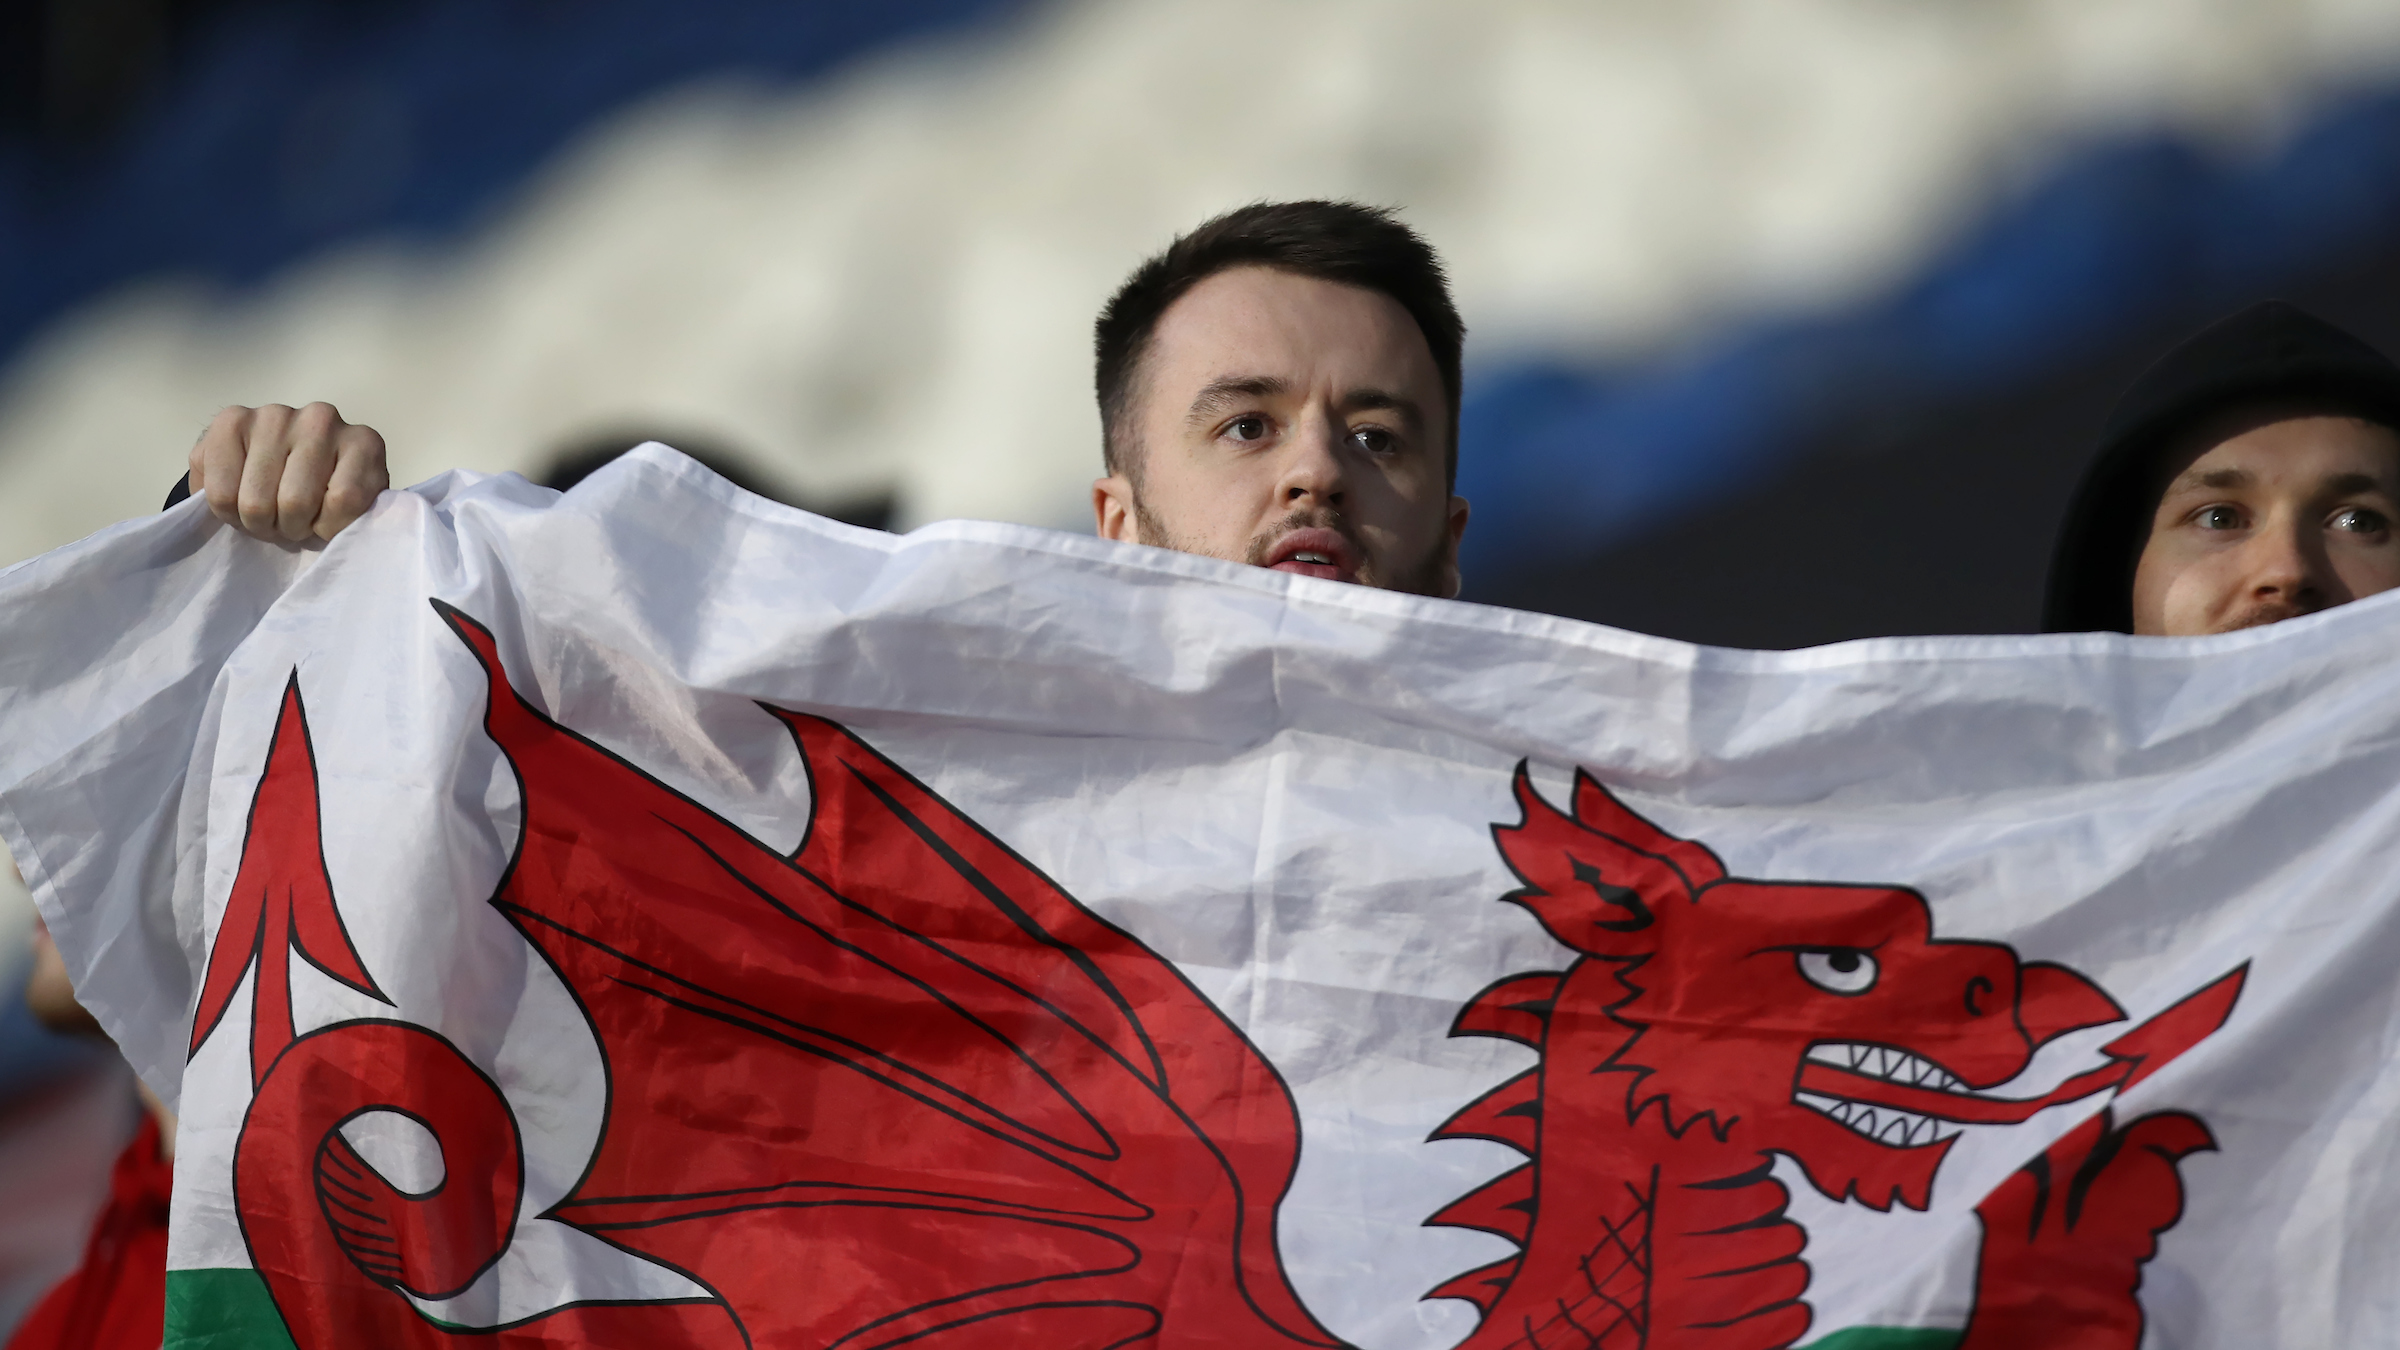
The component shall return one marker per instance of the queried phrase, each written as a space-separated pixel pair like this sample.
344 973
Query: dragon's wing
899 1086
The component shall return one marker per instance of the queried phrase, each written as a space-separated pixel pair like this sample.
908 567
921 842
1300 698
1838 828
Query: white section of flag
1287 788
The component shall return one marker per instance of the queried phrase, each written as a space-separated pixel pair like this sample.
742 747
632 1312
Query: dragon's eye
1838 970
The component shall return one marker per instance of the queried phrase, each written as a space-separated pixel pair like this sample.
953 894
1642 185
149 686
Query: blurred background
1791 320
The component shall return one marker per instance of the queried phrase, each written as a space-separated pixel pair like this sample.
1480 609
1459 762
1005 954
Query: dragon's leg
2065 1238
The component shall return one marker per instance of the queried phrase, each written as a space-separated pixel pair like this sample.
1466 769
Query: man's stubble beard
2259 616
1429 576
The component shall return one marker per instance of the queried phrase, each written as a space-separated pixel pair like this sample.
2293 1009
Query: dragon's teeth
1898 1129
1884 1062
1899 1066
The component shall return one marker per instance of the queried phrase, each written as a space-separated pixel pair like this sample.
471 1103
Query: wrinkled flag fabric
652 916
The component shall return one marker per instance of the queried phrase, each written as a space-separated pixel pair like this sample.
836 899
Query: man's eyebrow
1228 391
2214 478
2352 484
1381 400
2339 485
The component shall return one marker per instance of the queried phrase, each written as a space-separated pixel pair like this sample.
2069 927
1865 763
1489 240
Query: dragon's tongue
1827 1081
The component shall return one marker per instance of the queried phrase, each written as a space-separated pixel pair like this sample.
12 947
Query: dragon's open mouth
1897 1097
1901 1098
1875 1114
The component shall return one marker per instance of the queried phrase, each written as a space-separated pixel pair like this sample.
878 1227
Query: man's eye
1250 428
2361 520
1374 440
2218 518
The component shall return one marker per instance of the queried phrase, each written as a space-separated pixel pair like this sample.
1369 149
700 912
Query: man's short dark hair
1342 242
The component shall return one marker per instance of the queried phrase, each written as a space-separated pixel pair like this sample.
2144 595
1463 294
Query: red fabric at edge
117 1299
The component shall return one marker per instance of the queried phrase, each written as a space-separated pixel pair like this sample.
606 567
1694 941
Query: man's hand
283 474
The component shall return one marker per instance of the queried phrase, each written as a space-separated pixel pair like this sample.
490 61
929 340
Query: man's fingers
217 463
300 493
284 473
300 497
260 477
360 474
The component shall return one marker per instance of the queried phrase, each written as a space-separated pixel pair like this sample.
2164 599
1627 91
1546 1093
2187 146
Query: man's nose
1313 470
2287 562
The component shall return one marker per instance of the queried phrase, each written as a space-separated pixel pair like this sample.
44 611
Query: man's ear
1457 526
1112 509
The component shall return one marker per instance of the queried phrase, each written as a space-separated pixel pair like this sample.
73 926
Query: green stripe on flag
224 1309
1888 1338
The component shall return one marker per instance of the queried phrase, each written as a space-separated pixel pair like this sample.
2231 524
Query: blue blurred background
1792 320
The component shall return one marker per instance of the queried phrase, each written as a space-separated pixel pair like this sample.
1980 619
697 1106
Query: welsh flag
656 918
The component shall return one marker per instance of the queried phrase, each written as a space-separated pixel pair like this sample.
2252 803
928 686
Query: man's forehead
1265 326
2299 446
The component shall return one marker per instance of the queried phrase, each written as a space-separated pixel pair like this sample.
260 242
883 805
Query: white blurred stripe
887 279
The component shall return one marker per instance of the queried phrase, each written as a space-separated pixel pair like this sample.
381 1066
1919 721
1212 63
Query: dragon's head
1817 1020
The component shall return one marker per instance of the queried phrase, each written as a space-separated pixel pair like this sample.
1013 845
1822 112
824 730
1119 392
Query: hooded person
2251 475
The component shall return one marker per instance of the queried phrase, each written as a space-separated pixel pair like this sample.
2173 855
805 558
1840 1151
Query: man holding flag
665 920
1279 387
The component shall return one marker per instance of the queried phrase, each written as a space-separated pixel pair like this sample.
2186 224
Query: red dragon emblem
898 1087
1711 1023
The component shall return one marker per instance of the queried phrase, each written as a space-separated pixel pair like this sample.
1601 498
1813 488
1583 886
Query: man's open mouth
1315 552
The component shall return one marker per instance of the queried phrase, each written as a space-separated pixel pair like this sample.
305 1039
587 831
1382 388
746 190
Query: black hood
2269 351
